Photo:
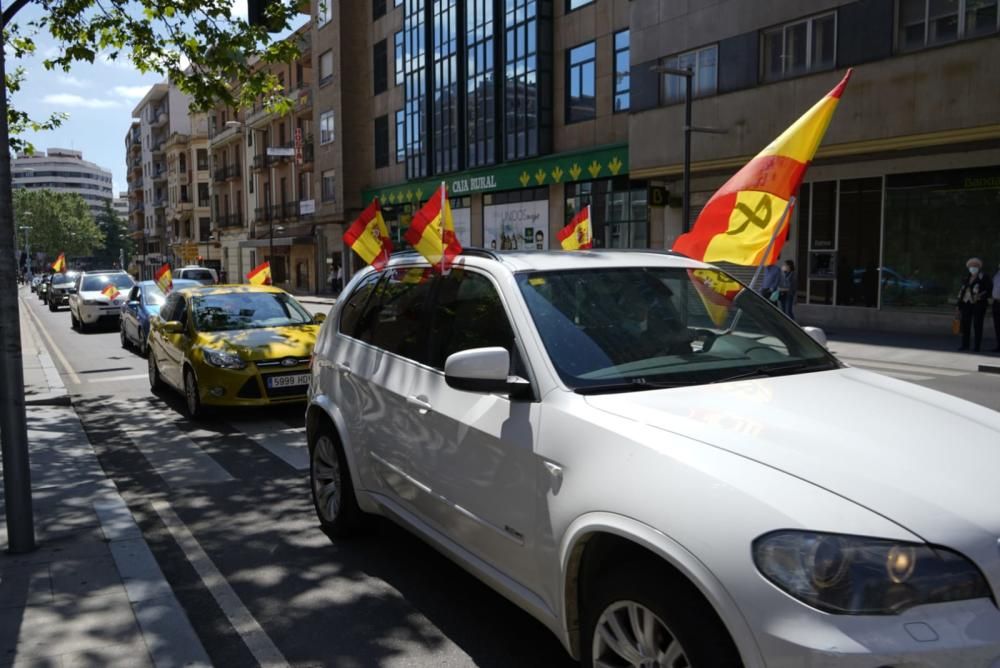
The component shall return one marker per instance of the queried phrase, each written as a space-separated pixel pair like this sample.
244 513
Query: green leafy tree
116 239
59 222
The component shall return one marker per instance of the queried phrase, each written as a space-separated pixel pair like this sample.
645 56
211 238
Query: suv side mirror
818 335
173 327
482 370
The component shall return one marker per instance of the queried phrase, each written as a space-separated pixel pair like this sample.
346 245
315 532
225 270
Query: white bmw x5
661 475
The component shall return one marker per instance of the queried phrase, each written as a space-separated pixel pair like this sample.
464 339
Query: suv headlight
223 360
853 575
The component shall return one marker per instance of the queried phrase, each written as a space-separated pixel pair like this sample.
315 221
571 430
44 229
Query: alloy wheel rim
326 479
630 634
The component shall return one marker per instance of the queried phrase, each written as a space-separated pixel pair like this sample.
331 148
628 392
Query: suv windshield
197 274
96 282
637 328
246 310
68 277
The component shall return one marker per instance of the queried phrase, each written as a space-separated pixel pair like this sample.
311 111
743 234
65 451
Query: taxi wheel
332 490
52 306
155 381
192 400
125 342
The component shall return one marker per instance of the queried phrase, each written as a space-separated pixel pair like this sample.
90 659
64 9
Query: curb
49 399
989 368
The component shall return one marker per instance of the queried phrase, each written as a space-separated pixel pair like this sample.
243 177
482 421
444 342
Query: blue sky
98 97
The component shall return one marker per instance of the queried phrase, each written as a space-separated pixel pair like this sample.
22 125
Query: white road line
259 643
116 379
287 443
51 344
907 367
174 456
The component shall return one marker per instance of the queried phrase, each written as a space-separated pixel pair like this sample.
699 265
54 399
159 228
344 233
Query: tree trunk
13 423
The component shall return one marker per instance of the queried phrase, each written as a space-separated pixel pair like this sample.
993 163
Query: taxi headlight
223 360
854 575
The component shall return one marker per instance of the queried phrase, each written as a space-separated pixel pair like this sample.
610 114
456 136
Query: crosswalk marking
282 441
174 456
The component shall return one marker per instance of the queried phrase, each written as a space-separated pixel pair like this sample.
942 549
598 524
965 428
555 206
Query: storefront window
935 221
860 219
516 220
617 208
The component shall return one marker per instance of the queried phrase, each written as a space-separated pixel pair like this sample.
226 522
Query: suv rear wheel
332 489
642 615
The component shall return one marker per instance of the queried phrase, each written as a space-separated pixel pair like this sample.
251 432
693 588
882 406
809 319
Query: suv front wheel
642 615
332 489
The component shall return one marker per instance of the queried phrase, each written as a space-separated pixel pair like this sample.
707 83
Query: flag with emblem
432 232
368 236
59 266
740 219
717 292
578 235
164 279
260 275
111 292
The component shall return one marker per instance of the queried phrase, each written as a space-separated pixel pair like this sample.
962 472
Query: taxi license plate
292 380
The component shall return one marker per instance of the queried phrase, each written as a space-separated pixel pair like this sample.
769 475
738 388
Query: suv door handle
343 368
420 403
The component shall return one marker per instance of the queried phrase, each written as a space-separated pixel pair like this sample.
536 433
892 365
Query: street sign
280 152
307 207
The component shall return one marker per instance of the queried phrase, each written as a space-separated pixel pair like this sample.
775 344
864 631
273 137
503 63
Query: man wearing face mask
972 298
996 307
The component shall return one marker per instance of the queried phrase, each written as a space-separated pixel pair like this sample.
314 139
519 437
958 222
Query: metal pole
270 216
686 227
13 421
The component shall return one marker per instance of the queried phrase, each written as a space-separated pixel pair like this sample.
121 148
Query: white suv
88 305
658 464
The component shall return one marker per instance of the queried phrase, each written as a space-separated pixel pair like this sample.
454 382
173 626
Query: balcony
304 99
136 184
233 171
219 175
290 211
157 117
307 151
221 136
229 220
159 175
159 204
136 208
159 147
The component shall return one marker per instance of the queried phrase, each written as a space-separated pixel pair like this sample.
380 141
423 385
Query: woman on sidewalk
787 288
972 298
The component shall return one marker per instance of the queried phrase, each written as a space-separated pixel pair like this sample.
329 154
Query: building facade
188 213
906 185
64 170
120 205
162 114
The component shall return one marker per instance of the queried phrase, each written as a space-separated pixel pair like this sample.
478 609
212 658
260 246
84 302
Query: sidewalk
91 593
915 349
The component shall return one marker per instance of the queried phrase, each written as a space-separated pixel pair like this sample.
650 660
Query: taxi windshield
246 310
635 328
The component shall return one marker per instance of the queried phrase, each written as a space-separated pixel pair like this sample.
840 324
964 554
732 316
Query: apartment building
161 114
906 185
188 212
64 170
120 205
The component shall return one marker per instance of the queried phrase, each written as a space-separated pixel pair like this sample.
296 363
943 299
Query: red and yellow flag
432 232
369 237
110 291
716 291
261 274
164 278
579 234
59 266
741 217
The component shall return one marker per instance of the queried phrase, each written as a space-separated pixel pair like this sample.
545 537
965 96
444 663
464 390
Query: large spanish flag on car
741 217
164 278
59 266
261 274
432 232
369 237
579 234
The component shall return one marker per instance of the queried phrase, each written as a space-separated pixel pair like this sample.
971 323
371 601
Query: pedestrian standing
788 288
996 307
972 297
336 278
772 276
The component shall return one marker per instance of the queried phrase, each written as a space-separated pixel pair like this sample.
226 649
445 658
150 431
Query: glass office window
703 62
806 45
400 136
397 57
521 97
581 74
414 108
921 23
622 76
480 84
445 101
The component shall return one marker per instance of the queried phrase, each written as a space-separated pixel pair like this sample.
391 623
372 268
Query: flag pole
770 244
443 193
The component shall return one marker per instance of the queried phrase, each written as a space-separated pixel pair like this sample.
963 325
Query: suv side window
396 314
169 307
356 304
467 313
181 311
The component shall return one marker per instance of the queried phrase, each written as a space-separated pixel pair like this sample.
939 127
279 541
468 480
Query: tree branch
8 14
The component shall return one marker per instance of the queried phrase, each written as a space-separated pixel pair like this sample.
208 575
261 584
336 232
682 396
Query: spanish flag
432 232
59 266
369 237
110 291
164 278
261 274
741 217
579 234
716 291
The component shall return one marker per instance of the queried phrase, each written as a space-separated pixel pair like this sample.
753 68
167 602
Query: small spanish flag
59 266
415 276
111 292
164 278
369 237
261 274
432 232
716 291
579 234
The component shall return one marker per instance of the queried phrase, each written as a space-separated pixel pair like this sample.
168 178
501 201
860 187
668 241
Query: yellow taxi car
232 345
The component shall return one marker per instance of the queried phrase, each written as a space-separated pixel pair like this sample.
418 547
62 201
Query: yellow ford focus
234 345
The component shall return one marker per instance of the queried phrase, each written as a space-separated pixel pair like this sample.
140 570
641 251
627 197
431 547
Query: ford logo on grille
289 361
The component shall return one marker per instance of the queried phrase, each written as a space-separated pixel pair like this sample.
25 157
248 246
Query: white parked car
661 473
88 305
204 275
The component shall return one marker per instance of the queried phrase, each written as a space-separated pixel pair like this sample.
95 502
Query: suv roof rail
466 250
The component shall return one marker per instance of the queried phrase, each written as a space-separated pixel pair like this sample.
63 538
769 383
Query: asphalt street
224 505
